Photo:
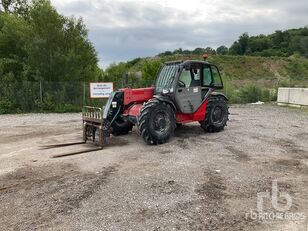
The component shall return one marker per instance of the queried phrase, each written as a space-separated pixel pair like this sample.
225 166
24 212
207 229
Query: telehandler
184 92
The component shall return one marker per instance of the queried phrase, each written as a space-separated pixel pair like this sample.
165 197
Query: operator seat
194 81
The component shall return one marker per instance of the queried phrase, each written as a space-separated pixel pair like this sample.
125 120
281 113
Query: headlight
164 91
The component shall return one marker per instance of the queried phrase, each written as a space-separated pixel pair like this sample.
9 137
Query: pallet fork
93 123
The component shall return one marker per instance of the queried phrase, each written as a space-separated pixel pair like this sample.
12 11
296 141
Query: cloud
126 29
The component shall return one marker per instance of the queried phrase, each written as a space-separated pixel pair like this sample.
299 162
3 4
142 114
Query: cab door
210 79
188 91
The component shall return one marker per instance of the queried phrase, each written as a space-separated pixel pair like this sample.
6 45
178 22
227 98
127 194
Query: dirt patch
186 131
69 121
289 162
167 187
23 135
290 165
116 142
302 135
208 210
182 143
35 196
214 187
165 151
240 155
290 147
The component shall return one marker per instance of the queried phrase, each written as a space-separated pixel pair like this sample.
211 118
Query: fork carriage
92 118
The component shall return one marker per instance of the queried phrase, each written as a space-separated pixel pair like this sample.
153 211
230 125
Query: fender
134 109
166 99
215 93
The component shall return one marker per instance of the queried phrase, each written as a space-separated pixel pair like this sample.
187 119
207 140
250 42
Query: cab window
185 78
195 77
216 78
190 77
211 77
207 77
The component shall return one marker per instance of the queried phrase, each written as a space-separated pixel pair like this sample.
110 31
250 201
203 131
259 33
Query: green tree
235 49
304 46
222 50
42 45
59 49
259 43
115 73
198 51
149 72
178 51
13 39
19 7
243 42
210 51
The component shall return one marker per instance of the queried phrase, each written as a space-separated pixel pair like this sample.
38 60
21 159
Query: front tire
216 115
156 122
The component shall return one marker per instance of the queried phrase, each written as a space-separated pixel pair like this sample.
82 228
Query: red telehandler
184 92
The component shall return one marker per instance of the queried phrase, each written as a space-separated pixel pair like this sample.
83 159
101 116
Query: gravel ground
197 181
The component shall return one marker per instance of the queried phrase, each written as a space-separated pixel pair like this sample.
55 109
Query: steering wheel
181 83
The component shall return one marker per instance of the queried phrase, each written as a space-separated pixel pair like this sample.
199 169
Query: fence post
84 93
41 91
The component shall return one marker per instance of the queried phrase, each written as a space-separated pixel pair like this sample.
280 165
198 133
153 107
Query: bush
285 83
230 90
5 106
62 108
250 93
46 105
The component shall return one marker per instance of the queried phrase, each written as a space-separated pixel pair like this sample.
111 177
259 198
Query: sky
122 30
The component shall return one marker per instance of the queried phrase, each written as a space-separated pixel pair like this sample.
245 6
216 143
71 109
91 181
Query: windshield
165 78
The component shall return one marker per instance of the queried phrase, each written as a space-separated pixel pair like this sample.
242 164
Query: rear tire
121 127
216 114
156 122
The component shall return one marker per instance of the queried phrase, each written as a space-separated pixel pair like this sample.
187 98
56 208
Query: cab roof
186 62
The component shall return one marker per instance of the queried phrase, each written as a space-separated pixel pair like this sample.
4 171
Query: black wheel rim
161 122
217 114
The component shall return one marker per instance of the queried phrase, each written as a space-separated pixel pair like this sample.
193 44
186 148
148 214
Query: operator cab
193 83
188 82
